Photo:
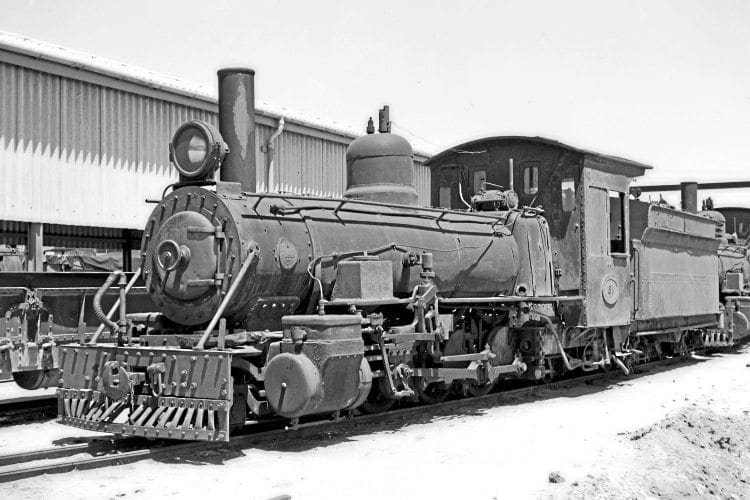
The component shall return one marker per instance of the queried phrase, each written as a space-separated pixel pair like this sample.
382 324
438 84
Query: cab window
480 177
568 192
531 179
445 197
617 236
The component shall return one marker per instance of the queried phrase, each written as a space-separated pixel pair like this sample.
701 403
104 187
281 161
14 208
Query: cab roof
597 160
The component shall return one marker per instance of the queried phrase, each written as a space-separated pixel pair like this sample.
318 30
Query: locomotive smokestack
237 125
689 196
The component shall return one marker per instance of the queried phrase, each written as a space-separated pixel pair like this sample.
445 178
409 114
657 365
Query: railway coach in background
280 305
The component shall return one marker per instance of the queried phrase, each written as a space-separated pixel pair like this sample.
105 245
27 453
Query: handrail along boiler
274 304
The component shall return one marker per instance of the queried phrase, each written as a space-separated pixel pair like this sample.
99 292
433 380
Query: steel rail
280 428
44 454
107 457
94 462
13 410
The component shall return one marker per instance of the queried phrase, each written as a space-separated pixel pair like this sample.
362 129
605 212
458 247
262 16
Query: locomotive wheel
476 389
378 400
433 393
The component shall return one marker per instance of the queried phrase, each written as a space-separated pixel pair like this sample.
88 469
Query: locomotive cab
605 241
583 197
624 264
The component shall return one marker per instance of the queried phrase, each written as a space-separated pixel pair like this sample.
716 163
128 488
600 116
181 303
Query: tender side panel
676 270
661 217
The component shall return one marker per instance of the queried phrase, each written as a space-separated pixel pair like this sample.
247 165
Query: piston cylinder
318 366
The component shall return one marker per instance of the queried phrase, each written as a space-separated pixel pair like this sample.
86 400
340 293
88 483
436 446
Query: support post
689 196
127 248
35 248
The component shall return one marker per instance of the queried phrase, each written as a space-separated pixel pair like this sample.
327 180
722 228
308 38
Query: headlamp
197 149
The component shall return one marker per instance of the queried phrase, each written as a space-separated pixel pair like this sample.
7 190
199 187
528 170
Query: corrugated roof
12 42
542 140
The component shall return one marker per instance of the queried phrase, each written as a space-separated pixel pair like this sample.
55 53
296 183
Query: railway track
22 411
106 451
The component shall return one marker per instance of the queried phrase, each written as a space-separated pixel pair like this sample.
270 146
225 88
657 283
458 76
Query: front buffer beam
150 392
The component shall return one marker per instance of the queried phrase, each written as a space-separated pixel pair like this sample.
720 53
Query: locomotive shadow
213 456
305 439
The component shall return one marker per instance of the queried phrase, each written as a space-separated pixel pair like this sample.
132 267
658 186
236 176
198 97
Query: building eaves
77 59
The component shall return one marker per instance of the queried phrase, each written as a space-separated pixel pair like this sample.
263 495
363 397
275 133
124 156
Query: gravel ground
683 431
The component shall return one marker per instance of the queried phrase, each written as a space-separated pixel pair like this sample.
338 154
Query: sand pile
691 453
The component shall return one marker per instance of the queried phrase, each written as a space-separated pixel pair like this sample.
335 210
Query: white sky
662 82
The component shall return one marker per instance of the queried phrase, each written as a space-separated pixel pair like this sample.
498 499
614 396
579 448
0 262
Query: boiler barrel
471 257
204 238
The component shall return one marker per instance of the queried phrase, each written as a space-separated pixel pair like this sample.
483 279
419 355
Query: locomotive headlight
197 149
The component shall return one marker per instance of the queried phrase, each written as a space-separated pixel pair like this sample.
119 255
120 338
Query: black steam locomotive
273 304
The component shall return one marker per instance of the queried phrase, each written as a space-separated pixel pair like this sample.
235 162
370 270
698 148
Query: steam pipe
237 126
621 365
565 359
461 195
277 133
112 310
98 305
551 328
270 150
122 323
227 299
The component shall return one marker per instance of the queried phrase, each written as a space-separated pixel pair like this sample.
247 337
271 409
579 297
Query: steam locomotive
272 304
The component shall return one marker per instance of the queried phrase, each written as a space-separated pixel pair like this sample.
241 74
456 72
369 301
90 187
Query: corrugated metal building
84 142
